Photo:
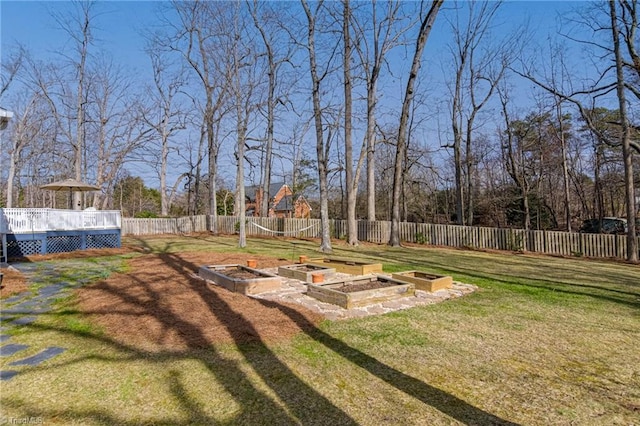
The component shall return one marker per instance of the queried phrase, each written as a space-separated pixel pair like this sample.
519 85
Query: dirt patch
240 274
12 282
370 285
161 304
309 268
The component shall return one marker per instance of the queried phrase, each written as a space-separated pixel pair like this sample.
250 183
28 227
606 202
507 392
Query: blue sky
118 28
30 23
120 22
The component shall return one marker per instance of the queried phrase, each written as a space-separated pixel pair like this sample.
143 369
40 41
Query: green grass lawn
543 341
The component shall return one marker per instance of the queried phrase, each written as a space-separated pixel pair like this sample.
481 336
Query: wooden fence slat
549 242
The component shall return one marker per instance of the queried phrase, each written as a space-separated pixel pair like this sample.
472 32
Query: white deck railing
21 221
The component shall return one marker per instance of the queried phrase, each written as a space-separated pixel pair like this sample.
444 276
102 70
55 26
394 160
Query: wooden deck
40 231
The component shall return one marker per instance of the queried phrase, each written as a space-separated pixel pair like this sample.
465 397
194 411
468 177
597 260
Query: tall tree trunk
78 149
371 153
352 187
423 35
242 238
469 162
632 242
325 239
164 157
212 148
271 104
565 165
456 118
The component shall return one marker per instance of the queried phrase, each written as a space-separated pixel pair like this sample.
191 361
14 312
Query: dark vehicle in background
608 225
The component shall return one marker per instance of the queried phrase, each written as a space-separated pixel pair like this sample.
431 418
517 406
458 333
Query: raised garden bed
347 266
424 281
304 272
360 291
240 279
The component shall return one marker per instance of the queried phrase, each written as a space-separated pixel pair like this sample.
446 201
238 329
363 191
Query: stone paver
13 299
40 357
293 290
7 374
11 348
20 310
24 321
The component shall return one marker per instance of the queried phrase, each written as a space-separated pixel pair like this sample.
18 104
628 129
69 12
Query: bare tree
164 116
625 136
479 67
516 145
28 131
321 147
79 29
423 34
375 37
351 181
242 81
113 124
561 136
11 67
278 53
626 24
195 39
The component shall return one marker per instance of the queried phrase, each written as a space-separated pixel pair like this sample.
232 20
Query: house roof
285 204
250 191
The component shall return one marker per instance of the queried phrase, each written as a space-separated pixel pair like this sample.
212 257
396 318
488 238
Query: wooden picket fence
546 242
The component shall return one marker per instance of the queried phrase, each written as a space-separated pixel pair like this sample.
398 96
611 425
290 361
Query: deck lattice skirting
26 232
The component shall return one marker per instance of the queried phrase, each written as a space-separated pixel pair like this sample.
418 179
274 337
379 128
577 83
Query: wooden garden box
347 266
303 272
332 292
240 279
424 281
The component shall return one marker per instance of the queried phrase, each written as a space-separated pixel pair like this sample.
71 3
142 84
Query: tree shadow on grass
429 395
296 401
601 292
627 298
432 396
296 394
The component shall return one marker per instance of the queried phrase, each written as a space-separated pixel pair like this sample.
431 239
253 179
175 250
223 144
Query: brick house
281 202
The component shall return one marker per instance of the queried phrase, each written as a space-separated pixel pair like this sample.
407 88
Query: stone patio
293 291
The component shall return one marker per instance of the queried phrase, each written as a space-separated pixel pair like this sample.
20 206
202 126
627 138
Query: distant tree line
348 103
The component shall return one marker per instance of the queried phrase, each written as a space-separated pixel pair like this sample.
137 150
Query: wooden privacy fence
177 225
547 242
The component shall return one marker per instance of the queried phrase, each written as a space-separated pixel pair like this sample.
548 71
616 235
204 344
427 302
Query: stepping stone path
22 310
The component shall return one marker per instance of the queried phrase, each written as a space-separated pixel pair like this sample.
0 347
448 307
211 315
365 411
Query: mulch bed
13 282
161 304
